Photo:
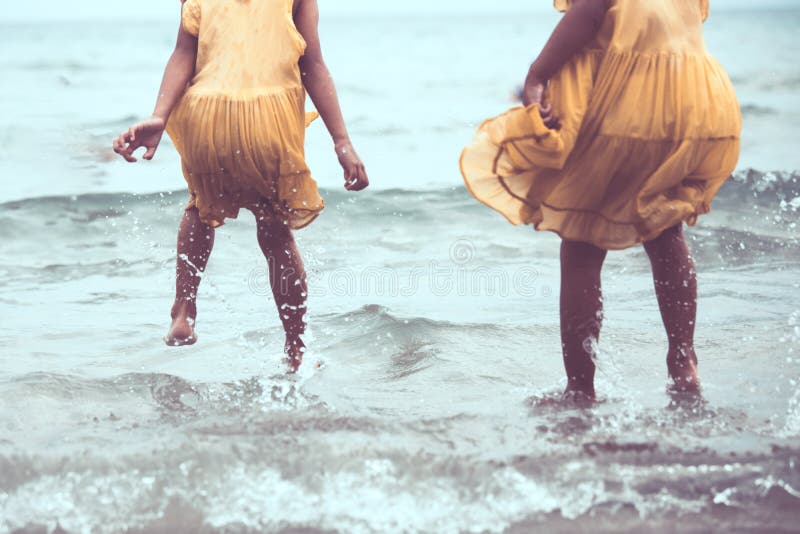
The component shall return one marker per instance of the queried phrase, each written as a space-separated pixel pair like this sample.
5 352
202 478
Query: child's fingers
349 179
360 181
363 179
350 175
122 140
148 155
128 155
353 184
122 150
132 147
552 122
549 119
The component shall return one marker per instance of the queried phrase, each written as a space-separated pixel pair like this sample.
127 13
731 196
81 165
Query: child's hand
145 134
355 175
534 93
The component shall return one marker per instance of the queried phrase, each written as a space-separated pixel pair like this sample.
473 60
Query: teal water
426 404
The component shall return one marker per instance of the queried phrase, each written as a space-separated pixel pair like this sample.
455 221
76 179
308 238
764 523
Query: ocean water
428 400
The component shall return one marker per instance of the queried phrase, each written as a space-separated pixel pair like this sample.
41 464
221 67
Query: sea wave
744 185
199 486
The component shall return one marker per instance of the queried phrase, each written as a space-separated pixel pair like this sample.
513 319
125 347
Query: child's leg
288 281
581 313
195 241
676 288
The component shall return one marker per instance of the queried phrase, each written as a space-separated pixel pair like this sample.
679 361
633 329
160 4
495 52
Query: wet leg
195 241
288 282
675 280
581 315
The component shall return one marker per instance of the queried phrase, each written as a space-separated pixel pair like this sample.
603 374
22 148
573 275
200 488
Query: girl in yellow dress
629 129
233 100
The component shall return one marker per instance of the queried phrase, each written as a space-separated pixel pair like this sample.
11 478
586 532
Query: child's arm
319 84
177 75
580 24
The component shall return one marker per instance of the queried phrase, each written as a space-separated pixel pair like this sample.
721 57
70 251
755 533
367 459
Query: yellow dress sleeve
190 16
562 5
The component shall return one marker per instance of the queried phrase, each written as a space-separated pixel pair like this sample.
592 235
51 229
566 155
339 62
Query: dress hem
536 219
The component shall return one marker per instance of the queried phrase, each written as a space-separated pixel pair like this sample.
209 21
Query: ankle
582 395
294 343
581 386
294 350
682 354
184 308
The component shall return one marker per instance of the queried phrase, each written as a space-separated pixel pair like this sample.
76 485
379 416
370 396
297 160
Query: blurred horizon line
512 8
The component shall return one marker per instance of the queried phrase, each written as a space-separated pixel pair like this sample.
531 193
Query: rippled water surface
429 402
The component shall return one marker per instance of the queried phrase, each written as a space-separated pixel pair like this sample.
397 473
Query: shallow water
429 400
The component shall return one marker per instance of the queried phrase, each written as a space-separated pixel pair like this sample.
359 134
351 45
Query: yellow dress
240 126
650 128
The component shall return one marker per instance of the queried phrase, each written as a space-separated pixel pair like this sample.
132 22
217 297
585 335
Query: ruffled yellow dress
240 126
650 128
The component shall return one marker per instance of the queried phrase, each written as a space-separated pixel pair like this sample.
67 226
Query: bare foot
580 396
294 350
682 366
182 333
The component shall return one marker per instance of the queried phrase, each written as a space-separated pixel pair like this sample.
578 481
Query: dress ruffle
646 141
240 126
622 191
685 95
246 152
